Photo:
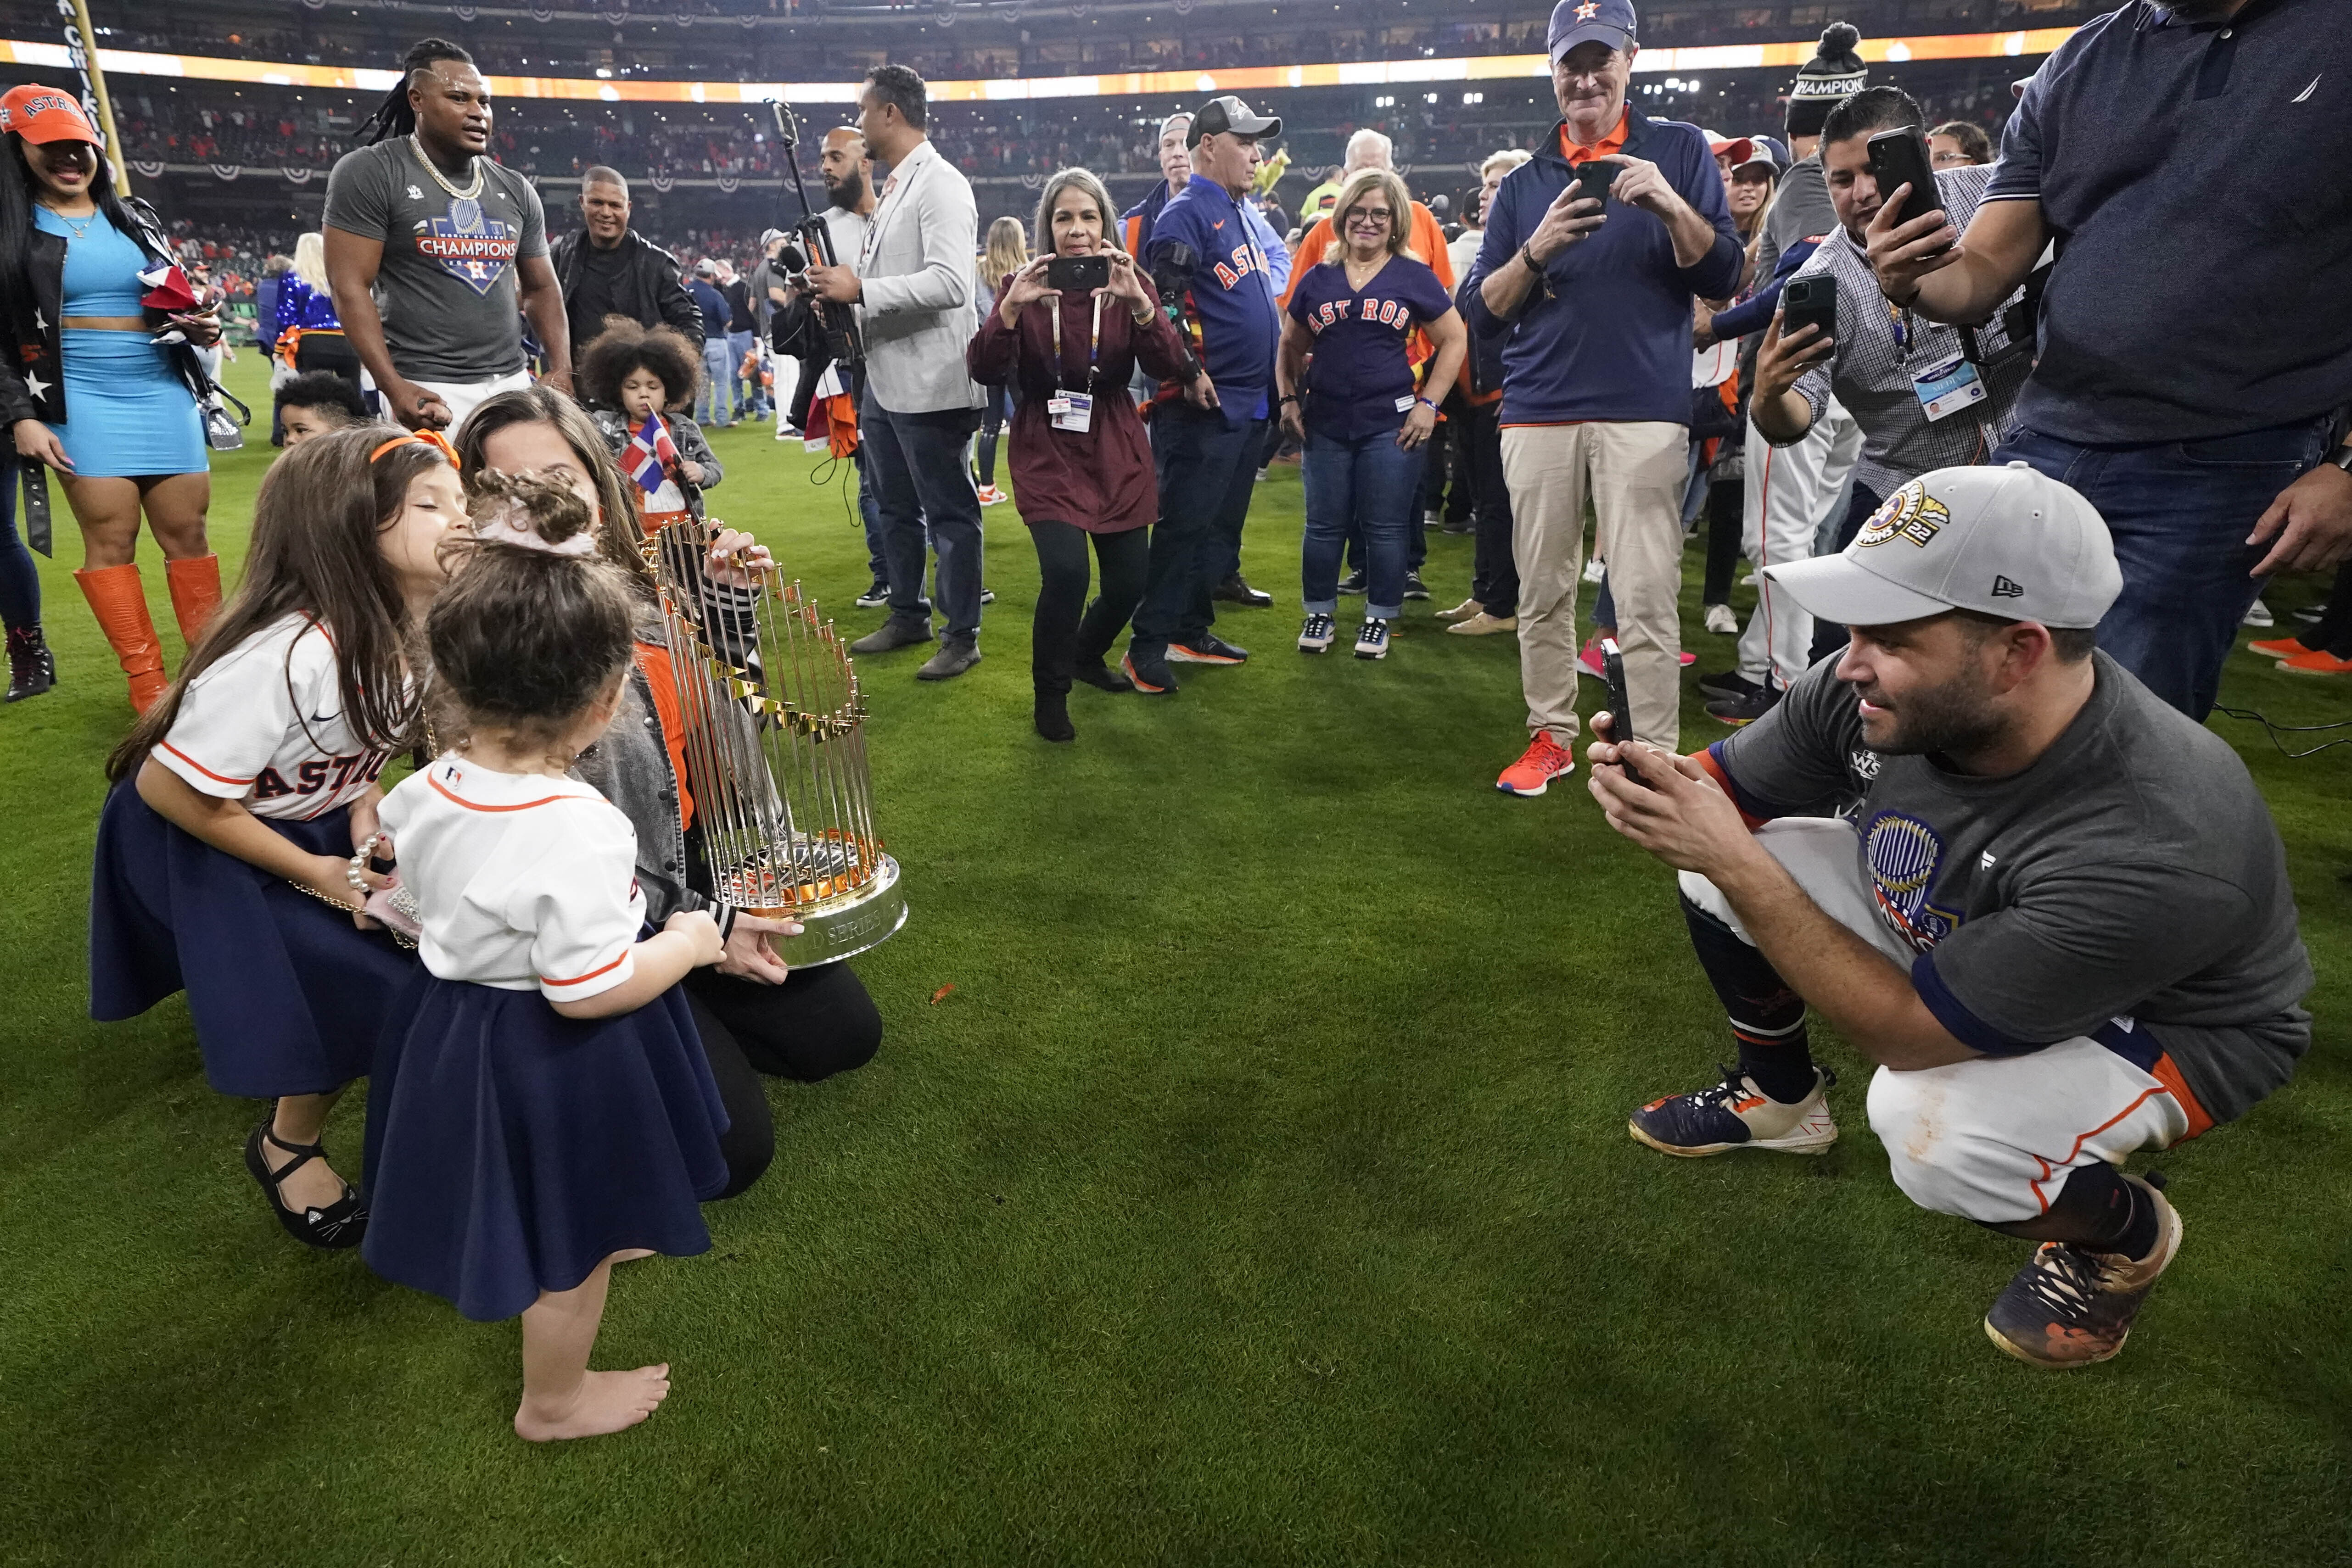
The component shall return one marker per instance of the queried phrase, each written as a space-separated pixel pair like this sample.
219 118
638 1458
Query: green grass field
1260 1192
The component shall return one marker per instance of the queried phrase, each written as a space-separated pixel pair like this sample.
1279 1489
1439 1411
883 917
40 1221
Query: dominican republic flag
651 454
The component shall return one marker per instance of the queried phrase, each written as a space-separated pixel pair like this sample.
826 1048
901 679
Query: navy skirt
510 1149
288 995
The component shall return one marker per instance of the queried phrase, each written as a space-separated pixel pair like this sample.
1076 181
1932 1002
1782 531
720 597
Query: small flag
651 454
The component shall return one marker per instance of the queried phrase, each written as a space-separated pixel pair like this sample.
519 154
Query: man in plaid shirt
1920 403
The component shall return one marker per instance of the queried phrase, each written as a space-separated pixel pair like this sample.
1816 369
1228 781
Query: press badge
1072 411
1948 387
1405 403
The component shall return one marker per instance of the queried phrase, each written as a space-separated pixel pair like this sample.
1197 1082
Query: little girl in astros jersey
223 863
543 1108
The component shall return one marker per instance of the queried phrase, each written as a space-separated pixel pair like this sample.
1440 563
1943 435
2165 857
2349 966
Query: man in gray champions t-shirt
435 253
2053 909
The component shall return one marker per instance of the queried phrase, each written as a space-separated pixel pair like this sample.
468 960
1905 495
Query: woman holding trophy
753 1012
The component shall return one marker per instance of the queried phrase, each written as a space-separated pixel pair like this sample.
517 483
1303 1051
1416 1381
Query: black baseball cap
1227 113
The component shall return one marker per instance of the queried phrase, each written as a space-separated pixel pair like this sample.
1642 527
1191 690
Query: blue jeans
20 582
1369 483
739 348
2179 512
869 514
915 461
1205 467
711 407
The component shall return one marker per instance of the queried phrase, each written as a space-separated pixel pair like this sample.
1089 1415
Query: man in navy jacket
1593 303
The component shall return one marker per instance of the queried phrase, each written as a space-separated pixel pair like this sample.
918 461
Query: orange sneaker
2278 648
2317 661
1544 760
989 496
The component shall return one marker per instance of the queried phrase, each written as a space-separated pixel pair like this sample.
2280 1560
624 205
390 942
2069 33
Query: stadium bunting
1183 84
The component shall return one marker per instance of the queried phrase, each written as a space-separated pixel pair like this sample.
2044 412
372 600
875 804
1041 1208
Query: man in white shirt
912 285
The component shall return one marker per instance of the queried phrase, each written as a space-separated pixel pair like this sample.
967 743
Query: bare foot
606 1402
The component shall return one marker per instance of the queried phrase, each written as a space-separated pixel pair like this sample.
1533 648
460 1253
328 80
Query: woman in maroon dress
1081 463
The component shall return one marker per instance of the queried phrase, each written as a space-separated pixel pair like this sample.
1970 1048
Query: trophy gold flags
774 727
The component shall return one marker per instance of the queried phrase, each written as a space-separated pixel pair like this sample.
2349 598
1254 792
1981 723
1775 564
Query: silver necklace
467 194
81 230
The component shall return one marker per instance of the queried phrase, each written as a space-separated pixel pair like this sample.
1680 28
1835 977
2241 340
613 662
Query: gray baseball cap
2007 542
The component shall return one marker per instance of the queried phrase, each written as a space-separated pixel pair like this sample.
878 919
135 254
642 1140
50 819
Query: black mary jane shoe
339 1225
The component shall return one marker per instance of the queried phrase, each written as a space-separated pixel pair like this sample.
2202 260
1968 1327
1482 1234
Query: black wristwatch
1286 397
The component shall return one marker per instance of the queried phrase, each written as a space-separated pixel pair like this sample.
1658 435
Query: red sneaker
1544 760
2278 648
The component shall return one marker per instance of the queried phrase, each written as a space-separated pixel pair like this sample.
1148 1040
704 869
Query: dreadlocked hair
626 346
314 552
525 639
396 116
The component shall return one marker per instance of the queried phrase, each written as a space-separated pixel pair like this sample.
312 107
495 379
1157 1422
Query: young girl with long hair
99 384
1007 252
226 861
546 1109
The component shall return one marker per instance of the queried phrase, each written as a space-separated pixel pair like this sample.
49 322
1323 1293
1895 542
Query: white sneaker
1372 641
1593 568
2259 614
1721 620
1317 635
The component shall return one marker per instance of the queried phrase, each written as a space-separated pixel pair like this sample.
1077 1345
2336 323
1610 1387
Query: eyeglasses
1369 215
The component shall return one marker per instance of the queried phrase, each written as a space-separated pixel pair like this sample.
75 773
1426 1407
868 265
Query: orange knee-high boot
196 593
120 602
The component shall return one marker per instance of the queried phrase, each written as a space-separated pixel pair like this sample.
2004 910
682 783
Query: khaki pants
1634 473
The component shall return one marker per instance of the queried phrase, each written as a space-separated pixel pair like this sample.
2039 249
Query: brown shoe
1484 625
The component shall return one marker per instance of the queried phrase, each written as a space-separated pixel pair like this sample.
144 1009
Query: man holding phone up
1920 403
2195 334
1592 254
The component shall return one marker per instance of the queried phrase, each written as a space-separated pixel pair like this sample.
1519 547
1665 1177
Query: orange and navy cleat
2070 1306
1737 1115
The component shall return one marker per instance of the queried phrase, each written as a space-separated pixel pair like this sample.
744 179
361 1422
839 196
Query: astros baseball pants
1992 1138
1792 493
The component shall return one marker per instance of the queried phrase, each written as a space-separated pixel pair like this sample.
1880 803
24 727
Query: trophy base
843 929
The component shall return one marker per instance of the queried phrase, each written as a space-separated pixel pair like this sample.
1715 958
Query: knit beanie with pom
1833 74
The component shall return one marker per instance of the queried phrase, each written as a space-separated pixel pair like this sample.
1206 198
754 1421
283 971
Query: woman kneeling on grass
1081 464
1366 426
755 1014
545 1111
225 856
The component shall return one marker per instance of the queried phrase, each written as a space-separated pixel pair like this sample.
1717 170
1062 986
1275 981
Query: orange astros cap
40 113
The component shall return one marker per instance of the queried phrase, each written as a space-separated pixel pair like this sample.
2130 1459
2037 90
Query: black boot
32 666
1052 714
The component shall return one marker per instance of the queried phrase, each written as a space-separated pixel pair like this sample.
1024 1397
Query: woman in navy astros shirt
1363 420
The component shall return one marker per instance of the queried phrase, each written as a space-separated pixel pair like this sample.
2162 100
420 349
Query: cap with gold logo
2007 541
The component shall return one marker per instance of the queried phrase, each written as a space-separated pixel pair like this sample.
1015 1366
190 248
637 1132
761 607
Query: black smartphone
1078 274
1811 300
1899 157
1621 705
1595 178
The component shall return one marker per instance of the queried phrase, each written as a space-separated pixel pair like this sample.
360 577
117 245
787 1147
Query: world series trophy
774 723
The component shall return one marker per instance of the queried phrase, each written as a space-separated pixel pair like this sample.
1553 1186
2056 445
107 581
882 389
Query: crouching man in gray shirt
2051 908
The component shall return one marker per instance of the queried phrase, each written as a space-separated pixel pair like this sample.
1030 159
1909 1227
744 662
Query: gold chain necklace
441 180
81 230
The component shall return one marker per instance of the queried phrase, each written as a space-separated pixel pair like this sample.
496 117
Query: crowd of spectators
839 40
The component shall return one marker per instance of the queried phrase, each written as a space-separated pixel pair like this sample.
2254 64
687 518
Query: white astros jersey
522 880
265 726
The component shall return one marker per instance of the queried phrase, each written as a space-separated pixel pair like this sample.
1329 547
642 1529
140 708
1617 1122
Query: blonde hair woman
1364 421
1007 252
310 333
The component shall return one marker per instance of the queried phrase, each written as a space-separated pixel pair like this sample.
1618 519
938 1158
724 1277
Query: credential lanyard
1094 345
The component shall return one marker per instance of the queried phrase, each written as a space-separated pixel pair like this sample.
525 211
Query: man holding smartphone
1920 403
1591 299
2196 333
2052 912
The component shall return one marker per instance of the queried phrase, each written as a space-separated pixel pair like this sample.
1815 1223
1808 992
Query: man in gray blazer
912 285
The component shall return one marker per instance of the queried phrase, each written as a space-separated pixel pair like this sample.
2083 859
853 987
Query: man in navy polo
1205 255
2196 333
1593 303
